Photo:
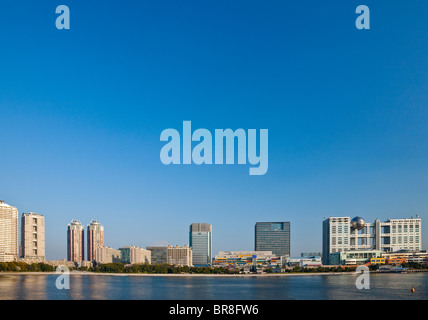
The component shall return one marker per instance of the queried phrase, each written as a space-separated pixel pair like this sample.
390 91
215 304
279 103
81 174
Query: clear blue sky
82 111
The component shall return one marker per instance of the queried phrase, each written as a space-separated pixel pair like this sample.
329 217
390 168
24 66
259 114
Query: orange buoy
413 290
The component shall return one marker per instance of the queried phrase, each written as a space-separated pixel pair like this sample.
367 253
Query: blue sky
82 111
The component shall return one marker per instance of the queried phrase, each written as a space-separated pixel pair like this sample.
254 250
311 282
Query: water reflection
97 288
32 288
104 287
8 287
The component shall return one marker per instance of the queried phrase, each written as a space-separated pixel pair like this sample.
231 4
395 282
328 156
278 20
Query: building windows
362 241
276 226
385 229
272 236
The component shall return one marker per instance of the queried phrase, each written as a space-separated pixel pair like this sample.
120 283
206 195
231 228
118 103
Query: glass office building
273 236
200 239
159 254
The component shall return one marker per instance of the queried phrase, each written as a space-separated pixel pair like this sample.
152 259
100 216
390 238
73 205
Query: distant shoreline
263 275
77 273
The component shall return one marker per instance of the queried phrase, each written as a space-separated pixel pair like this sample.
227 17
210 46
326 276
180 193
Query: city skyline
83 111
85 242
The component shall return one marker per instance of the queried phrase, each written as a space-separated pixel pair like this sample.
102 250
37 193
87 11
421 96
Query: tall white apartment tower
8 232
33 236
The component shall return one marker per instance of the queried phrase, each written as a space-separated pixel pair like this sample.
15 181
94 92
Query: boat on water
392 269
399 270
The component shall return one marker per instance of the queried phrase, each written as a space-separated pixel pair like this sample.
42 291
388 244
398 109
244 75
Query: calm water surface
382 286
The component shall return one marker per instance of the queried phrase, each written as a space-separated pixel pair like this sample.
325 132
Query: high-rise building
33 236
95 238
200 239
341 234
8 232
75 241
273 236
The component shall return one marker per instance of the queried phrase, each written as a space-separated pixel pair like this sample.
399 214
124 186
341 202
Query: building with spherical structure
343 234
358 223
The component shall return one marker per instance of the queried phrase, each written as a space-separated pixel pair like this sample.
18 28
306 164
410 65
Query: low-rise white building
237 259
304 262
135 255
107 255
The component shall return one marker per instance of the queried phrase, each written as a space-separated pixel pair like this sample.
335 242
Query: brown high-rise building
75 241
95 236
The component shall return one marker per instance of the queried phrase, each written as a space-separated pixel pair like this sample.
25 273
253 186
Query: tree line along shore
173 269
